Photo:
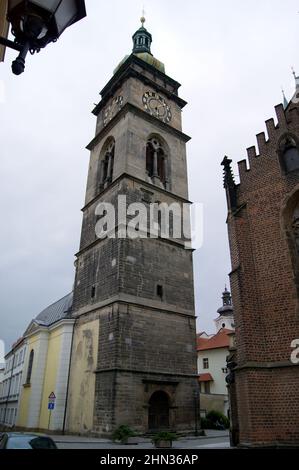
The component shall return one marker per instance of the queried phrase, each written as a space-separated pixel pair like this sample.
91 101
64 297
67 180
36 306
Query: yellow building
46 370
3 26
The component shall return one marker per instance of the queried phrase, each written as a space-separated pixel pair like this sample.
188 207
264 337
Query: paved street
213 440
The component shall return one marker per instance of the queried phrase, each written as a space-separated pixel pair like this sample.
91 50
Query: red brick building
263 228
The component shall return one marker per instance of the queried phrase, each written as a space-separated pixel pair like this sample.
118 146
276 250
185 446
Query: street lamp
36 23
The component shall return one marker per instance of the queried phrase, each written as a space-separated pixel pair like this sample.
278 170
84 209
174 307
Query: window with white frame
12 386
17 384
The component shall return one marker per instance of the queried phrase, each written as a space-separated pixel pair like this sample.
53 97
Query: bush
122 433
164 436
215 420
205 423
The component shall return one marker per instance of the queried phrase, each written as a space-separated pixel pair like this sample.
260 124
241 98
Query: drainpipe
68 380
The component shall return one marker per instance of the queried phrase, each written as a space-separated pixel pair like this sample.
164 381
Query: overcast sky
231 58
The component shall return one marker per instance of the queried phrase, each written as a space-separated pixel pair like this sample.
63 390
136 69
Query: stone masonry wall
142 351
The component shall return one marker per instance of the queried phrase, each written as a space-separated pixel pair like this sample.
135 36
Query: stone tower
134 347
263 215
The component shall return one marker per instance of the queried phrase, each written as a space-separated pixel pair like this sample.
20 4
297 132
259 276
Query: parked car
17 440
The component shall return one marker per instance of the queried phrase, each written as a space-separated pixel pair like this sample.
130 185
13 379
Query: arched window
156 161
107 164
291 225
30 365
295 229
289 154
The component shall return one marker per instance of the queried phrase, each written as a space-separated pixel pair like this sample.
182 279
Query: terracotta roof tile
205 378
220 340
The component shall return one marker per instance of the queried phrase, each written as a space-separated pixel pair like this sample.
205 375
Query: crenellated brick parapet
267 144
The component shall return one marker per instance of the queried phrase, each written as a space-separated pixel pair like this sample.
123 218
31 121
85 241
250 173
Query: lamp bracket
10 44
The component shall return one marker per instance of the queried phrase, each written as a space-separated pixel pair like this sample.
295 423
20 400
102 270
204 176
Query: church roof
55 312
220 340
225 310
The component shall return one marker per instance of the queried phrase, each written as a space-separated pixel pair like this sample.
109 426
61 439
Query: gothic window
291 221
289 154
30 365
295 229
105 167
112 164
107 163
161 166
149 161
156 161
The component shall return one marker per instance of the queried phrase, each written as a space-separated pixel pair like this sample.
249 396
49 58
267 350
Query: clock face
112 109
157 106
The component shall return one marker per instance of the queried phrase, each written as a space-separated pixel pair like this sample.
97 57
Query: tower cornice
147 185
129 107
125 299
131 68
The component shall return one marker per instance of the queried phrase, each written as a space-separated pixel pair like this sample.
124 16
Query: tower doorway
158 417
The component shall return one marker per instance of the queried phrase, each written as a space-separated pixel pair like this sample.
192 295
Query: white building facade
10 386
212 351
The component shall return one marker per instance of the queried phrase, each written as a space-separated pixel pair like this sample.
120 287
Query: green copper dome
142 41
150 59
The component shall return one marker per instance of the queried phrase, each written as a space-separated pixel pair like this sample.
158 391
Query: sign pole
51 406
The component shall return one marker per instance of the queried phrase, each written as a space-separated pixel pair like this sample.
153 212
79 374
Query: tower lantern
142 39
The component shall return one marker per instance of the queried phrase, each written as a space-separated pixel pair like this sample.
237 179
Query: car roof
25 434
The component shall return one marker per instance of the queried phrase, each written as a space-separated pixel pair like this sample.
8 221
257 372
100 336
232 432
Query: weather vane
142 19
